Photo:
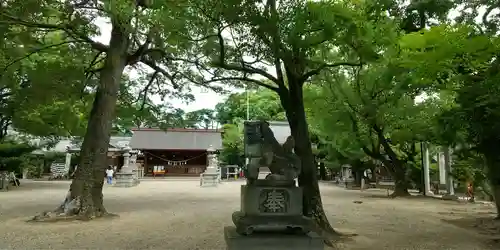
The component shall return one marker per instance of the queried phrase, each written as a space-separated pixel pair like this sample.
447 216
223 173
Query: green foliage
41 85
48 77
232 143
12 155
263 104
376 105
52 65
203 118
133 112
378 110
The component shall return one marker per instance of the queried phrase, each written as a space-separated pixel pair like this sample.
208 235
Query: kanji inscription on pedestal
273 201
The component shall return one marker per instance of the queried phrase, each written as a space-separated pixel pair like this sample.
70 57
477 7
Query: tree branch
277 44
65 27
387 147
244 79
146 89
89 72
141 51
94 61
221 63
152 64
318 70
373 152
484 18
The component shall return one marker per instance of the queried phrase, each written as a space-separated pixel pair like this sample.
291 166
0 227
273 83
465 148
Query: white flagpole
248 104
247 160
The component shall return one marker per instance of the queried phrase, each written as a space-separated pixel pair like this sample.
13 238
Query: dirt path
177 214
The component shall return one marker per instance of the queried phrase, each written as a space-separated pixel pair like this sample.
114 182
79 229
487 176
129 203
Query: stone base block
125 184
271 241
247 225
125 180
4 184
208 179
271 200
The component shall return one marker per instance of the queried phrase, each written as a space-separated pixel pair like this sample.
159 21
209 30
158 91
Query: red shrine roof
175 139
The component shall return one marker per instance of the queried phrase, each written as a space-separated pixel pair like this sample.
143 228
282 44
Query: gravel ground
177 214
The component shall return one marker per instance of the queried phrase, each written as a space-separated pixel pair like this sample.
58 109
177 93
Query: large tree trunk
395 166
293 104
398 172
322 172
493 164
85 199
400 182
496 195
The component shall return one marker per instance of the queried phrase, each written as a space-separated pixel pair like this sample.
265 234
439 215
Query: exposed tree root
332 236
399 193
323 228
70 210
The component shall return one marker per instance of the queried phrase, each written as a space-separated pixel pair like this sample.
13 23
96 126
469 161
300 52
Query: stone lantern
212 158
211 175
126 160
126 177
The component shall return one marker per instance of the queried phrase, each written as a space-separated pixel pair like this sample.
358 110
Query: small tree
232 143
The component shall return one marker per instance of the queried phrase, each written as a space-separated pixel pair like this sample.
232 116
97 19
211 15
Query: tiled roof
183 139
114 142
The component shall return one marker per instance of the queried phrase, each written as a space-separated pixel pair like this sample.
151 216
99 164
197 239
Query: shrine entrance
174 163
174 152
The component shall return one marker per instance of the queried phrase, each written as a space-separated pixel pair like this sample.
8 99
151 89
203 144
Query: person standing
109 175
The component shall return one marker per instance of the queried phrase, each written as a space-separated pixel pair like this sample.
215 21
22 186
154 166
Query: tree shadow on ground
30 185
121 204
482 224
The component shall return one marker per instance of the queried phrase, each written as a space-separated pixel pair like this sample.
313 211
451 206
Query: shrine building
174 151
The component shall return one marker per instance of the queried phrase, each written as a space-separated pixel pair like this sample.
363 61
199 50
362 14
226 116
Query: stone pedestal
137 180
271 241
270 215
125 179
4 182
442 168
211 176
67 163
209 179
271 206
450 186
426 169
349 183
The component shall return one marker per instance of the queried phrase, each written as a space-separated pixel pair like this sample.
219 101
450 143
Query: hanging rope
175 161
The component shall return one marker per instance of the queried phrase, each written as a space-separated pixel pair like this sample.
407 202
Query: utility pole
248 103
247 160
